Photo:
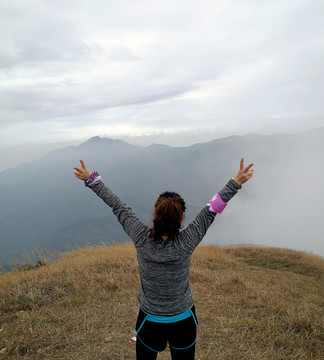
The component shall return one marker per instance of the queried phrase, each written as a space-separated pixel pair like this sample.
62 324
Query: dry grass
252 303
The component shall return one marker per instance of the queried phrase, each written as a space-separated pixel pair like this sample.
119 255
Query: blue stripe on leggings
141 325
175 348
194 318
148 346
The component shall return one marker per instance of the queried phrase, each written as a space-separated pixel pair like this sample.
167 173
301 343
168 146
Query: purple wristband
91 178
217 205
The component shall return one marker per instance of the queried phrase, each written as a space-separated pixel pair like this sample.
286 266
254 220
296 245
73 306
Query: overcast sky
74 69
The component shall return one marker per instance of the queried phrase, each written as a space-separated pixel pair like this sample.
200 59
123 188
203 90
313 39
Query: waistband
167 319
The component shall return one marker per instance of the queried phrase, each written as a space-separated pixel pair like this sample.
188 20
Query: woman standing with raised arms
167 311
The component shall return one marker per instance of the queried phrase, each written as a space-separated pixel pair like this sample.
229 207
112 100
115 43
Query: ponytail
168 214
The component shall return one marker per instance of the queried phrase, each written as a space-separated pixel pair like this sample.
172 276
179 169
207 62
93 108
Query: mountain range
44 205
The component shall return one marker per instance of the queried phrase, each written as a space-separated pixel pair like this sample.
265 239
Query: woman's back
164 273
164 268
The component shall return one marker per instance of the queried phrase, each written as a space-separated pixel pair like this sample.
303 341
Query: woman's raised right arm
197 229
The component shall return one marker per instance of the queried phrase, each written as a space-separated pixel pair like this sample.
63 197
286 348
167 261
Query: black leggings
152 338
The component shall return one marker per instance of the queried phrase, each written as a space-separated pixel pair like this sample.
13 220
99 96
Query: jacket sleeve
133 227
190 237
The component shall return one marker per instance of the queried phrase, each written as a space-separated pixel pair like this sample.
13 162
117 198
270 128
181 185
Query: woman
167 312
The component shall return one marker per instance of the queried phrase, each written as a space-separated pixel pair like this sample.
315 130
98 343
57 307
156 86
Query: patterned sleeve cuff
238 185
93 179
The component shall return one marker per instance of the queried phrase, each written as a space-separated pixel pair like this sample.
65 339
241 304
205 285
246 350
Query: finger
82 164
79 175
242 164
248 167
76 169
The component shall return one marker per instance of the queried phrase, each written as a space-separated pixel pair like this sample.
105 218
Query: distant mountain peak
99 140
95 139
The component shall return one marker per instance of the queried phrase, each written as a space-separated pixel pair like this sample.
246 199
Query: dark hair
169 209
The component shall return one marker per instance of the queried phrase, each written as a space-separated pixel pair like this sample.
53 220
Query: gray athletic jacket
163 267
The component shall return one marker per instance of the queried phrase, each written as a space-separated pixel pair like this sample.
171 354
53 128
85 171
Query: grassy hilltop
252 303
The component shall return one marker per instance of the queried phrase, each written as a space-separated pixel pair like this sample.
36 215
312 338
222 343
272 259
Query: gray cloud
157 66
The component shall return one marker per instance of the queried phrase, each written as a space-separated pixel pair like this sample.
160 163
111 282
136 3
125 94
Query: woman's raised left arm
134 228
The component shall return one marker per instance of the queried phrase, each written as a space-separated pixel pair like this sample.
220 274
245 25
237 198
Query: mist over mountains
44 205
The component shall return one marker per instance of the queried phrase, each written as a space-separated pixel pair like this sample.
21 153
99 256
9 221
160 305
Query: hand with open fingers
244 174
81 173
